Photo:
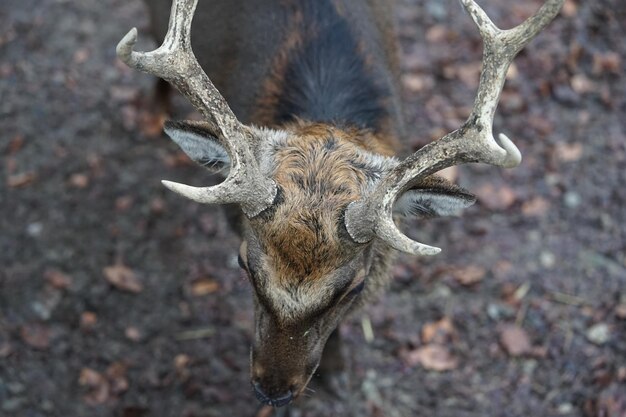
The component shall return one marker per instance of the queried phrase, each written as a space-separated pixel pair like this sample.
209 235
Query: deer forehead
319 170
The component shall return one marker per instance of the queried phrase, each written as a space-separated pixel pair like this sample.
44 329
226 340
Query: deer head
319 200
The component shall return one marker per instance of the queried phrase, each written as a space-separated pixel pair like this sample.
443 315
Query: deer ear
200 143
433 197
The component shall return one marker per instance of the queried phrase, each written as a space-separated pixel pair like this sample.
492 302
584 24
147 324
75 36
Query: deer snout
278 382
272 397
277 387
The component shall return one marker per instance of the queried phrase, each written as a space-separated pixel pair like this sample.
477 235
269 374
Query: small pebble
572 199
599 333
547 259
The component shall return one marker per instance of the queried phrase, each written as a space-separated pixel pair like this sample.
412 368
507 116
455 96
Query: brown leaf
204 286
493 198
57 279
21 180
98 386
416 82
151 124
36 336
569 152
433 357
116 375
469 74
439 332
515 340
81 55
132 333
181 364
157 205
620 311
469 275
123 203
570 8
123 278
536 207
437 33
79 180
88 320
607 62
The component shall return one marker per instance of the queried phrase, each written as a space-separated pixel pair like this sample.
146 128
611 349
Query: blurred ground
118 298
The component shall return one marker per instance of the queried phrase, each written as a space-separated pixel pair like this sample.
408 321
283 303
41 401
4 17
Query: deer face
306 270
294 316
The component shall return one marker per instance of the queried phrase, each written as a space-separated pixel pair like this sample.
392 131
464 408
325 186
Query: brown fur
320 174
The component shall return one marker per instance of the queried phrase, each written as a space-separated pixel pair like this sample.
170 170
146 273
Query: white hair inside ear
201 148
428 203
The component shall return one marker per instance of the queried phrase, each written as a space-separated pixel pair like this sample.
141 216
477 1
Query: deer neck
324 73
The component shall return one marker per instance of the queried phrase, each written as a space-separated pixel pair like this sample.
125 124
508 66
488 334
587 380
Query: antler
474 142
175 62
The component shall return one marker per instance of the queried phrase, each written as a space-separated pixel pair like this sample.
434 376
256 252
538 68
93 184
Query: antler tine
175 62
371 216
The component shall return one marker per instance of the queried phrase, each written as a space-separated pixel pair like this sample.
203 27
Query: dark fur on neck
323 76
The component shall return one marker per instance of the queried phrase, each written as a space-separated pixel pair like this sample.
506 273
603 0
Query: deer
309 156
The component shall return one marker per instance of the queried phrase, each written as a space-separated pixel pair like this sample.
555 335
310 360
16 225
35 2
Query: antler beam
371 216
175 62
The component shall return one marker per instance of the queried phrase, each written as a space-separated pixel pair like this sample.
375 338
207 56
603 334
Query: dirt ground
118 298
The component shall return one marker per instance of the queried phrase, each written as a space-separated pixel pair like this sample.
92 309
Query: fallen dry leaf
204 286
570 8
116 375
88 320
36 336
21 180
97 384
157 205
79 180
493 198
151 124
607 62
535 207
81 56
469 275
416 82
181 364
57 279
132 333
469 74
123 203
437 33
433 357
123 278
515 340
569 152
439 332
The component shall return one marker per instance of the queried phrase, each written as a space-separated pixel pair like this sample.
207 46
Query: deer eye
357 290
242 263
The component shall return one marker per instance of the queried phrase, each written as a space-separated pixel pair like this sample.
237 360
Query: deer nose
273 400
